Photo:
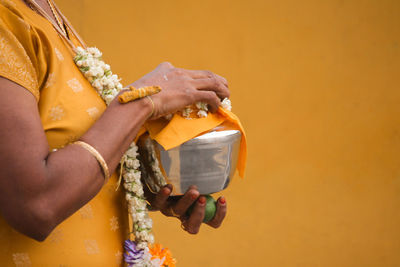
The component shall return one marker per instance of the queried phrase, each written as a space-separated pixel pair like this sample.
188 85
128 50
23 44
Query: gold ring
183 227
171 209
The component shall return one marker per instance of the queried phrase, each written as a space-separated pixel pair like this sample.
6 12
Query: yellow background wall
317 86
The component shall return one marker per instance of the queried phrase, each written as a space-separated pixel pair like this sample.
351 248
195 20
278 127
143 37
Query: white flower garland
108 86
202 109
98 73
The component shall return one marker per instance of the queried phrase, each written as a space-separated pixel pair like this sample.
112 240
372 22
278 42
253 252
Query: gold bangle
152 105
98 157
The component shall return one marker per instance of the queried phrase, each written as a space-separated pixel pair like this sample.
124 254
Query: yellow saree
34 56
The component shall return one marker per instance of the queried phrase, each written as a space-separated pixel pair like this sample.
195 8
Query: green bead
210 209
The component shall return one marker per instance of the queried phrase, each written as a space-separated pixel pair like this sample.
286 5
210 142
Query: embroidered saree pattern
14 65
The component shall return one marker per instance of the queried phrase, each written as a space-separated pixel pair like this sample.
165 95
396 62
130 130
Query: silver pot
207 161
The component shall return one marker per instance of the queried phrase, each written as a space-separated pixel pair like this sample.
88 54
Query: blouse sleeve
18 58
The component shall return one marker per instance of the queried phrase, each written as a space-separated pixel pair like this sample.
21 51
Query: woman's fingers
204 74
220 213
186 201
212 85
223 80
160 201
193 223
210 97
200 74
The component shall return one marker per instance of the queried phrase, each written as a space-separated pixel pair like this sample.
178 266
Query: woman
52 190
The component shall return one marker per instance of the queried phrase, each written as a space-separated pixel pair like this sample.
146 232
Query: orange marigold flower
157 251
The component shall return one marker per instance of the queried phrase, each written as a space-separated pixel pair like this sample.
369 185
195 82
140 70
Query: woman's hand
181 88
177 207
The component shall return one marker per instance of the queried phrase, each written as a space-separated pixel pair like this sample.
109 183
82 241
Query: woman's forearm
75 174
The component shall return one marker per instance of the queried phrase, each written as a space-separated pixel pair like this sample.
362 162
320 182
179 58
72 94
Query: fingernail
193 187
222 200
166 190
194 195
202 200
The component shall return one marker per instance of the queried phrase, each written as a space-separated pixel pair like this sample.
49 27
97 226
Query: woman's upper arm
23 150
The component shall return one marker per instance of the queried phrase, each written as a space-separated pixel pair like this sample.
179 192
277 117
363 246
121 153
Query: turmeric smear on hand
134 93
